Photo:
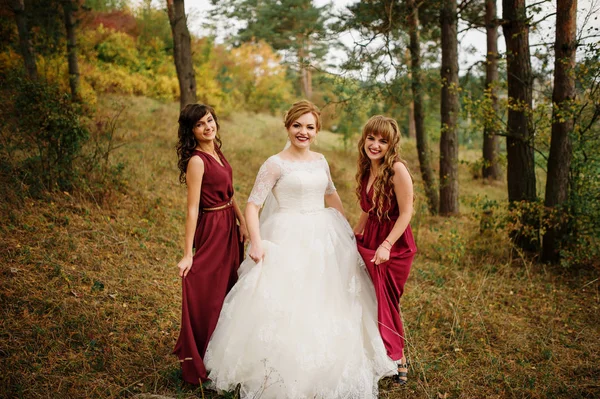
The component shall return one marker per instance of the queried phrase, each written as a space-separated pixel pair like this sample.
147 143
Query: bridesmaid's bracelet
384 247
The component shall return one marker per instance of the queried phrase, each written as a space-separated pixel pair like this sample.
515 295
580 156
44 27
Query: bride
301 322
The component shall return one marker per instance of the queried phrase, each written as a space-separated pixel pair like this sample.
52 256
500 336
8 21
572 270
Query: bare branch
543 19
538 3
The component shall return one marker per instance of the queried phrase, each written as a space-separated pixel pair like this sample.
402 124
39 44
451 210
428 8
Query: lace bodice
296 185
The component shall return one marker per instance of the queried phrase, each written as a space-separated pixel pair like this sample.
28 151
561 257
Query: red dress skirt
217 256
388 277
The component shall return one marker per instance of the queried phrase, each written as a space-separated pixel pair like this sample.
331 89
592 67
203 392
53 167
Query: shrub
42 133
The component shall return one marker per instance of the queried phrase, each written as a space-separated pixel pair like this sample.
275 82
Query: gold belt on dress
229 204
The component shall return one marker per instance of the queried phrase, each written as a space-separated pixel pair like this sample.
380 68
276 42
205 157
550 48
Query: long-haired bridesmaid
384 237
213 239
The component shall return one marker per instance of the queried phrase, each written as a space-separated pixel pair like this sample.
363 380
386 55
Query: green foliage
351 109
116 62
46 134
46 20
476 109
153 25
451 245
296 25
379 61
249 77
583 245
49 143
258 74
475 167
118 48
103 177
106 5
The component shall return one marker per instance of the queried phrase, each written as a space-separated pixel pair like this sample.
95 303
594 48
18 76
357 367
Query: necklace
212 153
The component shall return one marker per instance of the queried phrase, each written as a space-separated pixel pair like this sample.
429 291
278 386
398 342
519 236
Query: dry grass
90 299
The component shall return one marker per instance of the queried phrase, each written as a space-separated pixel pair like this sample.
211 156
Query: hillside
90 296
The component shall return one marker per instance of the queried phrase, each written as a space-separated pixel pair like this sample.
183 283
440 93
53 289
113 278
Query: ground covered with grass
90 298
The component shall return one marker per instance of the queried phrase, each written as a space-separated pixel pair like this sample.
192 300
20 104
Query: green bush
582 246
118 48
43 134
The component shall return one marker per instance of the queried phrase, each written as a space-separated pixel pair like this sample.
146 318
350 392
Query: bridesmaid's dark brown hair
189 116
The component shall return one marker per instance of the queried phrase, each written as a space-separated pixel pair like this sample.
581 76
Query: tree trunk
449 111
559 160
519 141
308 74
182 52
411 107
305 73
69 8
412 129
422 139
18 7
491 144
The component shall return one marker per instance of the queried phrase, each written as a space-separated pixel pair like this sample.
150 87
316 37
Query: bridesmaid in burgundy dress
213 241
383 233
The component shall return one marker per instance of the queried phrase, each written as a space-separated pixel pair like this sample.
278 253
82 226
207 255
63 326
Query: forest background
503 299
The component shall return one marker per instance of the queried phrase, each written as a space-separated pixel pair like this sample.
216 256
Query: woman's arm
403 188
267 177
256 252
240 217
362 221
193 179
333 200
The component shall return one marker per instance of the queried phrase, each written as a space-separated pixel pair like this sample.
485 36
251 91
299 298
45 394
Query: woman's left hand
244 235
381 255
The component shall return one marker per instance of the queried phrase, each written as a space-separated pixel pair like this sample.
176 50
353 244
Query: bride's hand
257 253
382 255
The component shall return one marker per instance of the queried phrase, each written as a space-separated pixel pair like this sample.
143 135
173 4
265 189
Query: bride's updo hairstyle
383 186
300 108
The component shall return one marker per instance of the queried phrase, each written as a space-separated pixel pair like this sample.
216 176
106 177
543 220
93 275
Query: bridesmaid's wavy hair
300 108
189 116
383 186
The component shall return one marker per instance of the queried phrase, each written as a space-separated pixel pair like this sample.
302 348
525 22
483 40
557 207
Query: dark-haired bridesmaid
215 231
383 234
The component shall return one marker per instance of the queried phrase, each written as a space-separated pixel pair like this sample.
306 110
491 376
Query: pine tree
297 26
559 160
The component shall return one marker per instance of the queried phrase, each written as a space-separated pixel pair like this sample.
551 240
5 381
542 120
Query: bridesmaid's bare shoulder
195 165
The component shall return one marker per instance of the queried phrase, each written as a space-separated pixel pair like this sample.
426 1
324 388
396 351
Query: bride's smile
303 131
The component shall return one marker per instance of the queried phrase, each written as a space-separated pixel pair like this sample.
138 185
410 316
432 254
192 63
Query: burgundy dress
388 277
218 253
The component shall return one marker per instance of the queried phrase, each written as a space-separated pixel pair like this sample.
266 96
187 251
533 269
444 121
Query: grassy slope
90 298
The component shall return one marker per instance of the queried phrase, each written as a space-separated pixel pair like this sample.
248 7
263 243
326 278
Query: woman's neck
207 146
375 167
299 153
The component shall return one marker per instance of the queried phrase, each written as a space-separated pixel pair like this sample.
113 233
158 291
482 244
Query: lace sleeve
330 186
267 176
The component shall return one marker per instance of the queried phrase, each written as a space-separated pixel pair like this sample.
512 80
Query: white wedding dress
303 322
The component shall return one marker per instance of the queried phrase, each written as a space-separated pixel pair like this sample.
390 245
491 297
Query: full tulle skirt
302 323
